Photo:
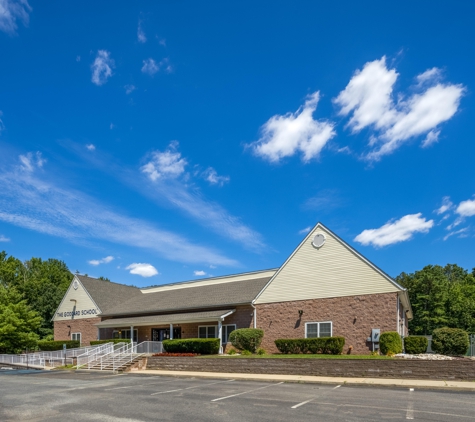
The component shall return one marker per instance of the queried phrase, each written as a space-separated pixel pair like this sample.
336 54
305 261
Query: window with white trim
318 329
211 331
76 336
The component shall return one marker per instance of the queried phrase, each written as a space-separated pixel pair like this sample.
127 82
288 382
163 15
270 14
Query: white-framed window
211 331
76 336
318 329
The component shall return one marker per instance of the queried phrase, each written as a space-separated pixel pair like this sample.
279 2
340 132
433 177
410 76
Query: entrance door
160 334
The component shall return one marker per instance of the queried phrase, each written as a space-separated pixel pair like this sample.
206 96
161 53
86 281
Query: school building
324 288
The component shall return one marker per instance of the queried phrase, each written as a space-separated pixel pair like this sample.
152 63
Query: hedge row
49 346
450 341
203 346
112 340
325 345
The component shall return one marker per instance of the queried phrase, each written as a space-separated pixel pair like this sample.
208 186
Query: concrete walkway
386 382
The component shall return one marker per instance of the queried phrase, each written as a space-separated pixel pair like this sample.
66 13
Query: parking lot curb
367 382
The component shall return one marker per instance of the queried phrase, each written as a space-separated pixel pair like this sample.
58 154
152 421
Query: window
318 329
211 331
76 336
125 334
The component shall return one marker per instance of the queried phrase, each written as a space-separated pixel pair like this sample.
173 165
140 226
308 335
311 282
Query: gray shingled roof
165 319
213 295
107 294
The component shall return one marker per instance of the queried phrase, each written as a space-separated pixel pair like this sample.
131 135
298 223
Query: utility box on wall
375 333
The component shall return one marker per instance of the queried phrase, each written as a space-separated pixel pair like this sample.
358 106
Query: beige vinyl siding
211 281
332 270
84 304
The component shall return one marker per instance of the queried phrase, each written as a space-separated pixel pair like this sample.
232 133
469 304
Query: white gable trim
342 242
67 291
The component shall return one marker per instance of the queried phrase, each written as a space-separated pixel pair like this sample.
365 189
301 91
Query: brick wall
352 317
84 326
394 368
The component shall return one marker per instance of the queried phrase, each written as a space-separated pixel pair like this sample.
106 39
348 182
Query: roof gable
335 269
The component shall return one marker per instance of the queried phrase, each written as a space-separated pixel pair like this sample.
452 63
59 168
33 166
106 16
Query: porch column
220 336
98 333
132 335
171 331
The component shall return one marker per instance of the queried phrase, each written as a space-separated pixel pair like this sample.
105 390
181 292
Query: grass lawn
299 356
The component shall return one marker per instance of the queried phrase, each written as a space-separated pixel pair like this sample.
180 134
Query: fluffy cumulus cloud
369 100
199 273
4 239
30 162
142 269
167 164
447 205
90 147
12 11
102 67
105 260
284 136
395 231
211 176
466 208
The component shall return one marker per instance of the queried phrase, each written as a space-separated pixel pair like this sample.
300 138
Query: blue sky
154 142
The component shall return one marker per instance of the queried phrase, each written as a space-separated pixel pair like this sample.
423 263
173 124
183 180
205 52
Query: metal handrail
92 355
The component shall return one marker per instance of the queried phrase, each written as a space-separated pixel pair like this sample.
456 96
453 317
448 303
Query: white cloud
325 200
102 67
90 147
211 175
78 58
395 231
429 75
29 162
150 67
166 164
305 230
2 126
284 136
4 239
10 12
460 233
447 205
141 34
431 138
111 126
105 260
129 89
199 273
145 270
466 208
42 206
369 98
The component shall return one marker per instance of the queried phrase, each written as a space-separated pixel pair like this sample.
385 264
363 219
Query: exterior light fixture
300 312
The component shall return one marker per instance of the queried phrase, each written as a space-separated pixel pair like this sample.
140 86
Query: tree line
31 291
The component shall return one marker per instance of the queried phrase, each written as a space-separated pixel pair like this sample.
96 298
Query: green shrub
415 345
246 339
111 340
450 341
261 351
390 342
232 352
203 346
324 345
49 346
246 353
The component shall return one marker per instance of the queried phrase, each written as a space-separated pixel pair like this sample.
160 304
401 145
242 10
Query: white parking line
245 392
301 404
189 388
410 406
308 401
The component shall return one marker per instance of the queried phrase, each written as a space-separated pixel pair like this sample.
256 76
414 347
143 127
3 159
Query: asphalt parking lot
86 396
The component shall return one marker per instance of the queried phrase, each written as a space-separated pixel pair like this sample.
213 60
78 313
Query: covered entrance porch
205 324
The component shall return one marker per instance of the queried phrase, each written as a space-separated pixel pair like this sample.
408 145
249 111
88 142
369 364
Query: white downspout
255 316
398 316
